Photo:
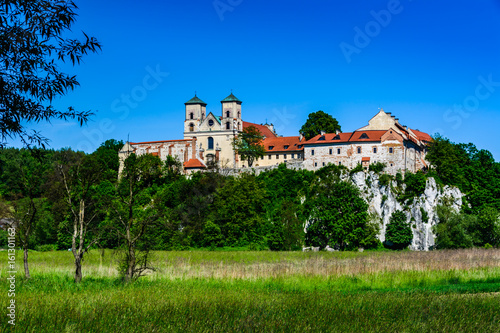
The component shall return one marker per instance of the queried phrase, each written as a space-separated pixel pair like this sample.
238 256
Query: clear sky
433 64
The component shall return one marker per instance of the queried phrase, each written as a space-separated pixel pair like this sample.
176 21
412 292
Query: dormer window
322 138
286 147
363 136
271 147
337 137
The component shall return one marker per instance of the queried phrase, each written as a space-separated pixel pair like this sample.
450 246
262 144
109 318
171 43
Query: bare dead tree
78 181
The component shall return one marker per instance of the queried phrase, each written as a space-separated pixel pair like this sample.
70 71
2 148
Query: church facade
208 141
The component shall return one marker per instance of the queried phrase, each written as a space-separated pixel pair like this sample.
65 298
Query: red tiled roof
279 143
422 136
365 159
262 128
329 137
194 163
372 136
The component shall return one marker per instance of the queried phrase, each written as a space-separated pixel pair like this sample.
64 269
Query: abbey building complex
208 142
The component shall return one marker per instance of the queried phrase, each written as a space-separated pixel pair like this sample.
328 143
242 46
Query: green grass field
203 291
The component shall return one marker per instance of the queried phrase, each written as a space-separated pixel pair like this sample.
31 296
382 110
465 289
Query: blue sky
435 65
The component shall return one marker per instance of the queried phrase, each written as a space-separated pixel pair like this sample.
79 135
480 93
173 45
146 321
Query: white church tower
231 113
196 111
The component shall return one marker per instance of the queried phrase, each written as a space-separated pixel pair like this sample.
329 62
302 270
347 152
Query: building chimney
300 137
322 133
337 132
193 147
270 126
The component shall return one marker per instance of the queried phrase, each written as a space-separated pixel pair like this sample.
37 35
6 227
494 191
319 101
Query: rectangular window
390 150
338 151
340 163
330 151
323 163
277 156
262 157
374 150
298 155
312 152
293 156
284 156
269 157
315 164
359 150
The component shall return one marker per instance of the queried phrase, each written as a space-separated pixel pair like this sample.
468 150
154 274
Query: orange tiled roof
262 128
365 159
422 136
330 138
194 163
369 136
279 144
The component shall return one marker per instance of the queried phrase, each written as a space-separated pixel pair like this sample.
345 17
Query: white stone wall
349 156
278 157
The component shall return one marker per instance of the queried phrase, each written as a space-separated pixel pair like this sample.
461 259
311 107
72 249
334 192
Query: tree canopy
32 48
249 144
317 122
398 234
473 171
338 215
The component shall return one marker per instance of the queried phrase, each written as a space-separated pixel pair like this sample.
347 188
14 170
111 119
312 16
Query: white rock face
382 203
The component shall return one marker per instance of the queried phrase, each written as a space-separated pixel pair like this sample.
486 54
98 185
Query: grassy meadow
205 291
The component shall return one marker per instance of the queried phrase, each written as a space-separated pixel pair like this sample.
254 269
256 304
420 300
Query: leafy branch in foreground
31 47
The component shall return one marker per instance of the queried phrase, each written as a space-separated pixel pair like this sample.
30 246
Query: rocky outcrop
420 212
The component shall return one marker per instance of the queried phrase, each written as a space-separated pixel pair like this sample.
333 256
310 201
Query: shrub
452 231
399 178
358 168
46 247
377 167
415 185
398 234
425 216
385 179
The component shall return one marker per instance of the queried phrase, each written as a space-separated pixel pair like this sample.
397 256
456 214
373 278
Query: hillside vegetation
208 210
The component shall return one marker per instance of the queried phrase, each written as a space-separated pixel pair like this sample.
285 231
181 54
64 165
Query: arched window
210 143
239 114
228 114
191 127
228 125
191 115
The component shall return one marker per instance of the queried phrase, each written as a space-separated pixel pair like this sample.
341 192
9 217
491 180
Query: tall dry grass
259 265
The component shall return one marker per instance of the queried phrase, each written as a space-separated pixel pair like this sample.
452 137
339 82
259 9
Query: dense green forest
60 197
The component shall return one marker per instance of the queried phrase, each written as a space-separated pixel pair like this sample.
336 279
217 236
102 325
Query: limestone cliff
382 202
